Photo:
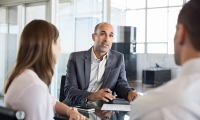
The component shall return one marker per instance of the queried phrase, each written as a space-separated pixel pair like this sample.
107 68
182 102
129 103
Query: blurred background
144 31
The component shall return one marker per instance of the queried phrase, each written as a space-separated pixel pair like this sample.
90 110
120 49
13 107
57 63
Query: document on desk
116 107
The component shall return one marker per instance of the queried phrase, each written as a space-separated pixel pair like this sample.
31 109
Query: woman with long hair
26 88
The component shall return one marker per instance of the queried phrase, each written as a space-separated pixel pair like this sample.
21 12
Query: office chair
62 84
9 114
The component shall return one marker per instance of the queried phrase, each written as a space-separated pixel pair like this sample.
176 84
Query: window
11 25
135 4
156 3
35 12
157 48
175 2
155 24
75 21
3 31
140 48
9 29
136 18
172 21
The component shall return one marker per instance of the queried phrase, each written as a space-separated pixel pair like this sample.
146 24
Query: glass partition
3 36
75 20
154 23
35 12
9 34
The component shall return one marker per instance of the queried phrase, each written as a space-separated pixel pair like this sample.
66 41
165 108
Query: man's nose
107 37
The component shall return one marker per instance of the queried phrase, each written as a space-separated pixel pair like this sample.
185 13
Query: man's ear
181 34
93 36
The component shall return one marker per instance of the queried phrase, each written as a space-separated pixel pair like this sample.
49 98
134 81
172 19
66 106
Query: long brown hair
35 51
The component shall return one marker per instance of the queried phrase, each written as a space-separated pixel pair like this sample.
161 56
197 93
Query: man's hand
132 95
103 94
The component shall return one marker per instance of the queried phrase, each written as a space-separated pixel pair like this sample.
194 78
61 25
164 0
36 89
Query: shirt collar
94 57
190 67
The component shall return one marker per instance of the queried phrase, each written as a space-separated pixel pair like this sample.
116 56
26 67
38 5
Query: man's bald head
103 37
97 26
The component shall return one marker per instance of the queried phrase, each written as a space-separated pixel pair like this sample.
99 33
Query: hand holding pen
132 95
103 94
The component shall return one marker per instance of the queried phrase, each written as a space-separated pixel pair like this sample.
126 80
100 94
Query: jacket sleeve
122 87
74 96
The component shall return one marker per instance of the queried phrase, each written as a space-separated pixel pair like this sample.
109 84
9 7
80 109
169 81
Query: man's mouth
105 44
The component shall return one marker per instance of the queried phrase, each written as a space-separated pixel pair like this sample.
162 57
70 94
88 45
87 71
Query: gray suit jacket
78 76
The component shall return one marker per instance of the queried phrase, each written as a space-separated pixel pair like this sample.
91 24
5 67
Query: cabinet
126 35
158 76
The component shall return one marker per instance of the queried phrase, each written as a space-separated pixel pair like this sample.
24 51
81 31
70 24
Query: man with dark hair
179 98
96 74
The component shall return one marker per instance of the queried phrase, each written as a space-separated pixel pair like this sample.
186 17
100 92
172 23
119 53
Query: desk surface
99 114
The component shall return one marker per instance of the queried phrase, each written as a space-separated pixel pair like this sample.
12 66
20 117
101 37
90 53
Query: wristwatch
131 89
71 108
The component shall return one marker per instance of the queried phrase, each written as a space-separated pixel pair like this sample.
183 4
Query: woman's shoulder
26 87
29 77
27 80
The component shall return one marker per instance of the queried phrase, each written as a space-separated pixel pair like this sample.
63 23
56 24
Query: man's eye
111 35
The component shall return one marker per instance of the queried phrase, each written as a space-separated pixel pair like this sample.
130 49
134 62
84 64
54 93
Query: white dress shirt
30 94
179 99
97 71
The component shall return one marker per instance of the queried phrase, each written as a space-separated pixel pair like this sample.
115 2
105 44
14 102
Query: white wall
146 61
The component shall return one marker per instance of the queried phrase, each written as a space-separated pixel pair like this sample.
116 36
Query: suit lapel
87 66
107 69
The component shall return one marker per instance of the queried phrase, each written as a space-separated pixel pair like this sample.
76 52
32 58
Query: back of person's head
189 16
35 51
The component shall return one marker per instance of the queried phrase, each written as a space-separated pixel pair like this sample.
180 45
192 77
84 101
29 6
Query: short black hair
189 16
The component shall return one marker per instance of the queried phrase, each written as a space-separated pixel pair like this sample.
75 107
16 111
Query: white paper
116 107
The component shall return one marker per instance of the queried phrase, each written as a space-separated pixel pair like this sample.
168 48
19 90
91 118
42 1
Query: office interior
144 31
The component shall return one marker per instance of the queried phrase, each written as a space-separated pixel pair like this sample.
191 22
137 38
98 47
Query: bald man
95 75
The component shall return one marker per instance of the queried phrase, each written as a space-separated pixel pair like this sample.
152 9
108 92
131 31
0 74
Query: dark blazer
78 76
